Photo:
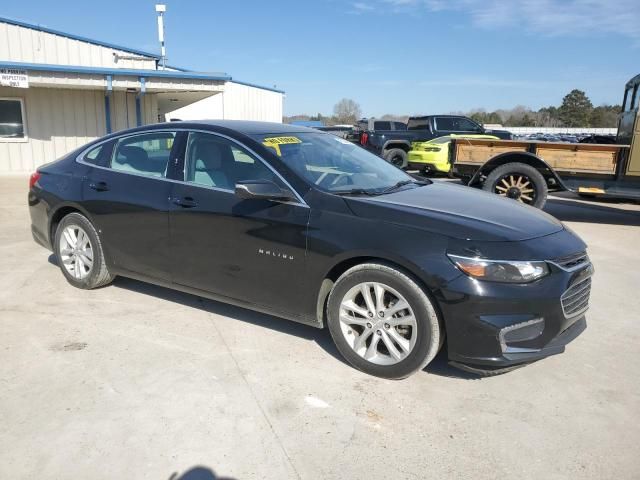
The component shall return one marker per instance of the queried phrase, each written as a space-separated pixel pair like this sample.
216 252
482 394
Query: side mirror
261 189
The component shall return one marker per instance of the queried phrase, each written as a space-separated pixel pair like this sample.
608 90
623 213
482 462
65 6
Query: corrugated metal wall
60 120
21 44
242 102
237 102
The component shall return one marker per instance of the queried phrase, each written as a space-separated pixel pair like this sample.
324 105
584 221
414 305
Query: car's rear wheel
79 253
382 321
520 182
397 157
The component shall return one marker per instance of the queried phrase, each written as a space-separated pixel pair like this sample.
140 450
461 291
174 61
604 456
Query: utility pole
161 9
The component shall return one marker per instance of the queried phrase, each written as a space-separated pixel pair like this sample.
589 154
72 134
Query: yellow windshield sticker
275 142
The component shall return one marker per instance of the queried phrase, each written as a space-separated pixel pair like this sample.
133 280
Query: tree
576 109
347 111
605 116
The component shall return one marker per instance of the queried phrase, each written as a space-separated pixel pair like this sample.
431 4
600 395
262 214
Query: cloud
362 6
542 17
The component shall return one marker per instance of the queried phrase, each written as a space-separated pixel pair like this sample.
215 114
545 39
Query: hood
459 212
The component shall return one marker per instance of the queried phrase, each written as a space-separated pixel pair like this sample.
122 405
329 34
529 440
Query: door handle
185 202
99 186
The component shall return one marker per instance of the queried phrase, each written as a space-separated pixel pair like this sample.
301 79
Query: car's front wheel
79 252
382 321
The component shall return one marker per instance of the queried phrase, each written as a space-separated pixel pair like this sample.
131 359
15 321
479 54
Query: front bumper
500 325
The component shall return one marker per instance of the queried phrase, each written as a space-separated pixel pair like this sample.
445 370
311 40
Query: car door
127 195
250 250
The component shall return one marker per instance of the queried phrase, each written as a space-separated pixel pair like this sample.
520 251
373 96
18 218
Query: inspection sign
11 77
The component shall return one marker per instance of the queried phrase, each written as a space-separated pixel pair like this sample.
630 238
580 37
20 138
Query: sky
390 56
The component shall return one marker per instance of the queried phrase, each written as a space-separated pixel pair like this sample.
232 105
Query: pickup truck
526 170
393 143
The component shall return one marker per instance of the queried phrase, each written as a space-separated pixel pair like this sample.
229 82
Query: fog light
521 332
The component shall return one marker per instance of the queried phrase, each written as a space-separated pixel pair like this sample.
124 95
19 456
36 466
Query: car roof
252 127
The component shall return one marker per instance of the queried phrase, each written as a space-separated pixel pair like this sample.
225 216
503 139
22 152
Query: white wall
60 120
21 44
236 102
557 130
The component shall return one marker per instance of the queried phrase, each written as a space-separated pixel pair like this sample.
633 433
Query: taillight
35 176
364 138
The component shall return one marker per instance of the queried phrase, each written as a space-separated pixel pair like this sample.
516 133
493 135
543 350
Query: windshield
333 164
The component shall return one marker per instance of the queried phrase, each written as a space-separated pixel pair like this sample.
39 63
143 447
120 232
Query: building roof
48 67
178 72
77 37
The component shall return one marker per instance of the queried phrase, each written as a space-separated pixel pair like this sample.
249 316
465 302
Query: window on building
214 161
145 154
12 124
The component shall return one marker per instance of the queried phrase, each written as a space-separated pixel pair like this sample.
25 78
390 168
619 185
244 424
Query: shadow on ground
198 473
601 211
321 337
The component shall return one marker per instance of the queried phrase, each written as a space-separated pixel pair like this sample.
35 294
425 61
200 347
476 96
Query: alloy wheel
378 323
517 187
76 252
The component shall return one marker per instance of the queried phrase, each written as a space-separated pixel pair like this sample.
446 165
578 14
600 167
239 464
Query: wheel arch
401 144
62 211
344 263
517 157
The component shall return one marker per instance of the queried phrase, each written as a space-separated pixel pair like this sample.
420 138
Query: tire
509 179
397 157
417 344
75 266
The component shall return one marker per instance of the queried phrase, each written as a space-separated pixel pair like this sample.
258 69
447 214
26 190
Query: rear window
418 124
382 125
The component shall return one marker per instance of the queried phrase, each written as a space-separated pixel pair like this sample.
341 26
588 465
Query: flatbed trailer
527 171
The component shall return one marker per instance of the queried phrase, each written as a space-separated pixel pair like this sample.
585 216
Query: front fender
512 157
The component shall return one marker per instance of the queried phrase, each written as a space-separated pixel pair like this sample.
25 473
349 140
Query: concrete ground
136 381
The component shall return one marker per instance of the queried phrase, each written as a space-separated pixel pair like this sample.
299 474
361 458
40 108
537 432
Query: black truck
394 142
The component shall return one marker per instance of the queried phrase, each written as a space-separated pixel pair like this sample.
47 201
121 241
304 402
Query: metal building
59 91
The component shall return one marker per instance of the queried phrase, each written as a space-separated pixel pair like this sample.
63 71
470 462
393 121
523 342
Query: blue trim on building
143 89
126 72
257 86
154 56
107 104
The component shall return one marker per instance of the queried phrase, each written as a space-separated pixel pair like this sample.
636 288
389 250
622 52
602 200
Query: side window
93 155
626 103
466 125
12 119
215 161
455 124
444 124
144 154
99 155
636 97
399 126
382 126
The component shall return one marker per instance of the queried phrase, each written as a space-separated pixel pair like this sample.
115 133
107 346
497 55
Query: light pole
161 9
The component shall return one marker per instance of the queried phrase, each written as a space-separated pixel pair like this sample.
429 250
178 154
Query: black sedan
307 226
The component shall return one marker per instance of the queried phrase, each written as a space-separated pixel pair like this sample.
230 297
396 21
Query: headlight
431 149
509 271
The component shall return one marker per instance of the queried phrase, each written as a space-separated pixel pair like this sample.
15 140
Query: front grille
572 262
575 300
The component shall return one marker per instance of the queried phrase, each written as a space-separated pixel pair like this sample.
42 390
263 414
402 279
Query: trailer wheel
518 181
397 157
